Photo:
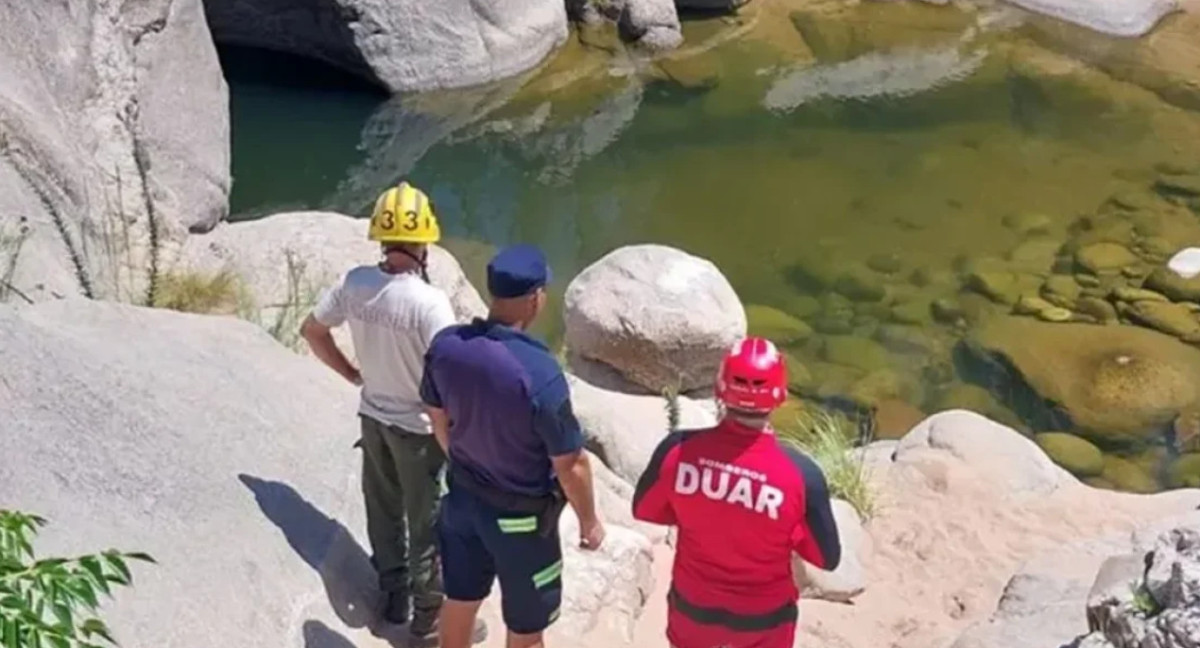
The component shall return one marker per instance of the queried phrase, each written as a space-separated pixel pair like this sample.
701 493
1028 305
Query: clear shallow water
766 153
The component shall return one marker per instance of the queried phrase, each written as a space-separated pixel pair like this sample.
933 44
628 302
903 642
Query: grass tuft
830 440
195 292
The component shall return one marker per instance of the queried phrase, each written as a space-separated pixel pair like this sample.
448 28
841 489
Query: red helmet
752 377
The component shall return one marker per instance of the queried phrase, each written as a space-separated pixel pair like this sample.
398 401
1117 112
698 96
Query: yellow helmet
403 215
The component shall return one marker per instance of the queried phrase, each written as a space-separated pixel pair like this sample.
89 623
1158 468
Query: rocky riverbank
203 434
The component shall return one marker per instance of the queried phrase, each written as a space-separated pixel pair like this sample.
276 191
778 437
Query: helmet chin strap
422 261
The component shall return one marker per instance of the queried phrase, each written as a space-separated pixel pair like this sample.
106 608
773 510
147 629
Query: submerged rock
776 325
1102 258
1115 383
1061 289
1172 319
1130 294
894 418
910 312
1185 472
860 353
885 263
1174 286
978 400
1077 455
1055 314
1027 223
859 284
946 310
1128 476
1098 309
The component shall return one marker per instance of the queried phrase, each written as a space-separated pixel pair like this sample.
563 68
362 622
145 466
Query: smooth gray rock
1000 454
1113 17
173 434
624 429
404 45
846 582
663 318
115 134
652 24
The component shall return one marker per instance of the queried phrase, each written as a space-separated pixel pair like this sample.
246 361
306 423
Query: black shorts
479 543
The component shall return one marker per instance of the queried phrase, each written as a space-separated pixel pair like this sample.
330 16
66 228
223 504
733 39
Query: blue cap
517 271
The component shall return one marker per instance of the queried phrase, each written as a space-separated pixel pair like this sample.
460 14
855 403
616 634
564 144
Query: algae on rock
1115 384
1076 455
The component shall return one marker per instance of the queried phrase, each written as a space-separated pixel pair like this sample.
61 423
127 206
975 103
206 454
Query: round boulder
659 316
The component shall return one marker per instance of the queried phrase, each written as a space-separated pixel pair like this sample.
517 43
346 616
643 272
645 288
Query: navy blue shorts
479 543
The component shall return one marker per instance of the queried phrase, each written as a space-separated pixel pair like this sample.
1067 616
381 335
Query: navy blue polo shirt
508 404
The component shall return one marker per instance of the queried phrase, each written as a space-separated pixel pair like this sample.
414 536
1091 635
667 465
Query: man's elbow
571 464
312 330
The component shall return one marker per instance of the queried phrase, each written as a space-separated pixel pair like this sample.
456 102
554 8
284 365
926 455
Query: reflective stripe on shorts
518 525
547 575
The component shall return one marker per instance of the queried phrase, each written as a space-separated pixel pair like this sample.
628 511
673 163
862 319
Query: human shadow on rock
319 635
326 546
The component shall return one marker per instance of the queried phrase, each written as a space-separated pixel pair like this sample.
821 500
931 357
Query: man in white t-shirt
394 313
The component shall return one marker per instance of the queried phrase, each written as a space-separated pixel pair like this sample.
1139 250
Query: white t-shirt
393 318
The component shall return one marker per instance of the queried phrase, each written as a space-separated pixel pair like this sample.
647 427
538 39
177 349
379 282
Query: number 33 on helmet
403 214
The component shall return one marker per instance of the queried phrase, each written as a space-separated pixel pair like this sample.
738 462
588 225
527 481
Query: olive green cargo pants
402 486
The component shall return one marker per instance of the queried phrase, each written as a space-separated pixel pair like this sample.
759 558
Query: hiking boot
423 633
396 609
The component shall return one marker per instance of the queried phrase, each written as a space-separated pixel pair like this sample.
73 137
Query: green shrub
51 602
830 441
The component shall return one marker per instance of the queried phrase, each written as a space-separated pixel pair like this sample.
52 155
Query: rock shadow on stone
325 545
319 635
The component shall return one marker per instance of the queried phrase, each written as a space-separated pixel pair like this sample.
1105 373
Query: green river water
899 144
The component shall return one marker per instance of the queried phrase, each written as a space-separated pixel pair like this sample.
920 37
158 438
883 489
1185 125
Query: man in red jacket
743 502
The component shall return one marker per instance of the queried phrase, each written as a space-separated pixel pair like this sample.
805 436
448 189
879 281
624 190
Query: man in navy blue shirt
500 407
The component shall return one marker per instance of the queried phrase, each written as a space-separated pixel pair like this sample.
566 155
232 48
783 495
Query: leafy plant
1143 601
51 602
830 441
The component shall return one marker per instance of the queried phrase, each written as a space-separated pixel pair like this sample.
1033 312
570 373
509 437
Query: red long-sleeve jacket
743 502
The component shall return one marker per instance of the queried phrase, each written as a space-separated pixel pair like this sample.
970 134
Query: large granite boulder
1115 384
163 432
661 317
115 142
404 45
